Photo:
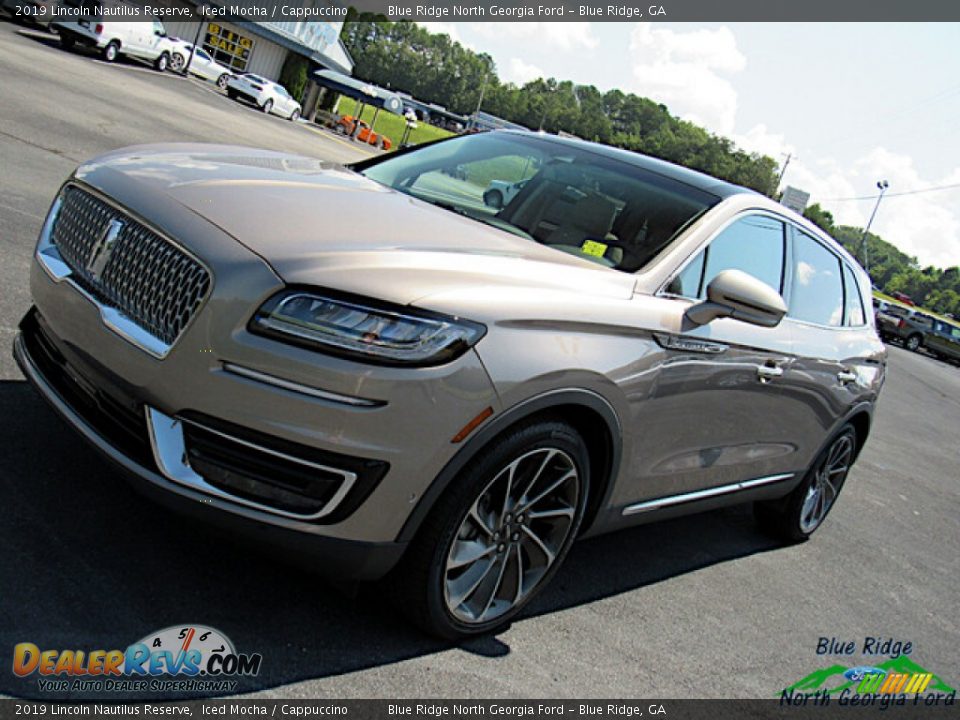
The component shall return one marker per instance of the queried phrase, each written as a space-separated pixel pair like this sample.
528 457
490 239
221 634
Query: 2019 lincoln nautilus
372 367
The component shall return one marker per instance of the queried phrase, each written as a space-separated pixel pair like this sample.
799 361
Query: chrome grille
144 276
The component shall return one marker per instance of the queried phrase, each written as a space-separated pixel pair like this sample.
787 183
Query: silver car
369 367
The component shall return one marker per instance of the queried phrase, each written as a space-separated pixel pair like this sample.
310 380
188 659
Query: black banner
507 10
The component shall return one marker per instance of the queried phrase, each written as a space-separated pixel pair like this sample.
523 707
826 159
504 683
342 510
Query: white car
265 94
202 65
143 40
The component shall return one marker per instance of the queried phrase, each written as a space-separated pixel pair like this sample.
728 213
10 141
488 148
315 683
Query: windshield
574 200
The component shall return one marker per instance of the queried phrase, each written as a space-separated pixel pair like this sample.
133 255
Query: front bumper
293 404
115 437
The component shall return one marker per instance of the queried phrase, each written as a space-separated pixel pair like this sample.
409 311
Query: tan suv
372 366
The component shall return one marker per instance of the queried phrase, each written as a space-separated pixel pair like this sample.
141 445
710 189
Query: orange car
345 126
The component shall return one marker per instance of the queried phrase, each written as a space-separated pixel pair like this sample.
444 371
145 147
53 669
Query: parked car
346 125
269 96
202 64
904 325
501 192
370 366
142 40
915 330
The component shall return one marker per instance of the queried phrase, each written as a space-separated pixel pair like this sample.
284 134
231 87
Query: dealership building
260 47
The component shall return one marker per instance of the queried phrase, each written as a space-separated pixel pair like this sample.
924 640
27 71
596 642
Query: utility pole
483 89
882 185
783 170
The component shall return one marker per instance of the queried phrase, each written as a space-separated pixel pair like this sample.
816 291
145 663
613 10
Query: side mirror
738 295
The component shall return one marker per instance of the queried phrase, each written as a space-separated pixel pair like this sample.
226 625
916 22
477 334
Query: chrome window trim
49 258
170 453
659 503
299 388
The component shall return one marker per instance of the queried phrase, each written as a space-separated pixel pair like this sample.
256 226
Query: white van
144 40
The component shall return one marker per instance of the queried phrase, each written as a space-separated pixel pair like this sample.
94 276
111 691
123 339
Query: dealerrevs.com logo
178 658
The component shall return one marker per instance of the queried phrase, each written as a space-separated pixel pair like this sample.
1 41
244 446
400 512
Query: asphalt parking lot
698 607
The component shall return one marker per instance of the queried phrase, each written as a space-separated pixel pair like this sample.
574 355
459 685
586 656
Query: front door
708 413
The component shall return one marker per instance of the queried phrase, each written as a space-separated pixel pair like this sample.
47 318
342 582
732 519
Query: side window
817 288
753 244
854 314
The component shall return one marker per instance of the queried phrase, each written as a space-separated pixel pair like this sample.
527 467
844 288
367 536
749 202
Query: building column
310 101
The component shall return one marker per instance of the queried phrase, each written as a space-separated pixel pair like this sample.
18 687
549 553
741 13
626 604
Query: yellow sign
592 247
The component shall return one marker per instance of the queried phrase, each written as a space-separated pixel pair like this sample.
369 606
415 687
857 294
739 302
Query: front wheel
797 516
177 62
294 116
913 343
111 51
267 106
499 533
162 62
222 81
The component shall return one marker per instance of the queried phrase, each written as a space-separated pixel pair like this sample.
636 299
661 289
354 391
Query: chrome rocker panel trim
650 505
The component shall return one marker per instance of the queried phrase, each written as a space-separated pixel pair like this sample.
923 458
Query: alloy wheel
511 535
827 481
176 62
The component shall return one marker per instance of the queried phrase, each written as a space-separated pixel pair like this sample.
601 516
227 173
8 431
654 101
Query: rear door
837 362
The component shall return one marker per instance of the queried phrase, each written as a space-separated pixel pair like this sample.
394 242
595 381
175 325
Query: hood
317 223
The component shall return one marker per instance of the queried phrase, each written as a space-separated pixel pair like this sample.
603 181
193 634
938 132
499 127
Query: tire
162 63
222 81
340 129
493 198
177 61
294 116
111 51
797 516
66 41
267 107
515 553
913 343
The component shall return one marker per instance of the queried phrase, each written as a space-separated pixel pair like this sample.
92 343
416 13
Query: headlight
365 330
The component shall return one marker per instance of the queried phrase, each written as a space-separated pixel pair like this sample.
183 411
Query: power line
898 194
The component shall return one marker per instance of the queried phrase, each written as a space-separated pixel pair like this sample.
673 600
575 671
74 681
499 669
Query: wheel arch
586 411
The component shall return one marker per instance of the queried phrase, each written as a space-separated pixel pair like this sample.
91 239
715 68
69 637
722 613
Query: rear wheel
111 51
267 106
913 343
797 517
500 532
162 62
295 115
222 81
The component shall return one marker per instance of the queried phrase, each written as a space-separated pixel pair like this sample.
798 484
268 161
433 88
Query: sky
854 103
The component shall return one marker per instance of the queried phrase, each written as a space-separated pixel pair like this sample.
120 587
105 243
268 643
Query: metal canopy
366 93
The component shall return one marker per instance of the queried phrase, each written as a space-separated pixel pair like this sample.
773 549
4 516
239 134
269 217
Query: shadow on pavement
89 564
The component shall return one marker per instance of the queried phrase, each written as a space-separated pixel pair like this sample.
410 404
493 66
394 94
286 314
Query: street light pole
882 185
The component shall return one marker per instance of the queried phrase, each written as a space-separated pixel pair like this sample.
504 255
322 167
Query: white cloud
924 225
520 72
560 35
442 28
683 71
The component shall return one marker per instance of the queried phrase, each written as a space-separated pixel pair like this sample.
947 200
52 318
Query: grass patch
393 125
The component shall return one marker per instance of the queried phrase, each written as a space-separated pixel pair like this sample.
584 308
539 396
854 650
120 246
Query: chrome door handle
845 376
768 372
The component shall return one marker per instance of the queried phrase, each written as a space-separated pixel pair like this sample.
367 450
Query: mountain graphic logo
837 678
